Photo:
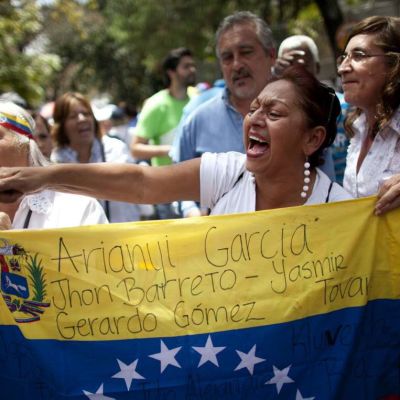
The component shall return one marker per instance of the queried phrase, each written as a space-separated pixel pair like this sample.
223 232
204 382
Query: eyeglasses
358 56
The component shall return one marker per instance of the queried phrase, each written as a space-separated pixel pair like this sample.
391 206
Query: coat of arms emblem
23 283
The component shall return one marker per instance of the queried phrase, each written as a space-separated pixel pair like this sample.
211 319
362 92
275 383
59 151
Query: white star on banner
208 352
166 356
280 378
300 397
98 395
248 360
128 372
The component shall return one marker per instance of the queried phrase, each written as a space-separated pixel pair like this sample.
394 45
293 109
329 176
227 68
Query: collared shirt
214 126
381 161
58 210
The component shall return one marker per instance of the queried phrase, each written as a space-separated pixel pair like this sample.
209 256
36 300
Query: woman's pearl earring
307 180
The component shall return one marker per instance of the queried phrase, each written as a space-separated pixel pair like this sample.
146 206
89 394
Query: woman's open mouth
257 145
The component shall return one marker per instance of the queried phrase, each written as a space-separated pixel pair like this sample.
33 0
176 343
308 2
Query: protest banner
295 303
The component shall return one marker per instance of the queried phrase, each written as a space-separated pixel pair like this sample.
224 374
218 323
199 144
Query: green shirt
158 121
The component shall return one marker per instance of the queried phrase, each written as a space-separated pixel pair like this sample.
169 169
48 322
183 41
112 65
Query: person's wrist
49 177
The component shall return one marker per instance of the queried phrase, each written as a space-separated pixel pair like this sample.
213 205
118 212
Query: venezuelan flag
16 123
297 303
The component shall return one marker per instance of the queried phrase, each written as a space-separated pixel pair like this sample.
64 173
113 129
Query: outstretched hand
15 182
388 195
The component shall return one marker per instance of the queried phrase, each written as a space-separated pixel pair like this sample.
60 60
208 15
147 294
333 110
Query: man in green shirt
160 116
162 112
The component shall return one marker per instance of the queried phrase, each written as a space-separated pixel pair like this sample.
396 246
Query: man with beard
161 113
246 52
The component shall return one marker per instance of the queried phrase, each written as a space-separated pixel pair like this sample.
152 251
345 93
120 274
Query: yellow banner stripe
179 277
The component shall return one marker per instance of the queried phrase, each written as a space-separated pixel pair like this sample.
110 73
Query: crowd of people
271 136
268 138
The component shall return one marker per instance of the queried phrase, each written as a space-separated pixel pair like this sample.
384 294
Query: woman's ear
313 139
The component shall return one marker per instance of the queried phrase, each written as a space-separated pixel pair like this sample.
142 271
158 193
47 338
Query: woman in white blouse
43 209
289 124
78 138
370 73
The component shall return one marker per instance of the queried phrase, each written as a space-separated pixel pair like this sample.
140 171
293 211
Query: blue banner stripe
348 354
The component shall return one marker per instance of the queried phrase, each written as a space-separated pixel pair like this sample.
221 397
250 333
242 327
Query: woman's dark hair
387 37
36 115
319 103
62 108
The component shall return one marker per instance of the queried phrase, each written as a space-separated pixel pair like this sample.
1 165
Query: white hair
295 41
36 157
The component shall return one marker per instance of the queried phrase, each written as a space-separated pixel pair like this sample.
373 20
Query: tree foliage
22 70
116 47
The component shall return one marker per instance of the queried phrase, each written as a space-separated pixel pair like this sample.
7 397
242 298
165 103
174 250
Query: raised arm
120 182
287 59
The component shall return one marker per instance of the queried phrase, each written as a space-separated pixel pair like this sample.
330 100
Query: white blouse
382 160
58 210
227 187
115 151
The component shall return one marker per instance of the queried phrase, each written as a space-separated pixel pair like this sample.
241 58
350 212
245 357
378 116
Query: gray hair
36 157
262 29
295 41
